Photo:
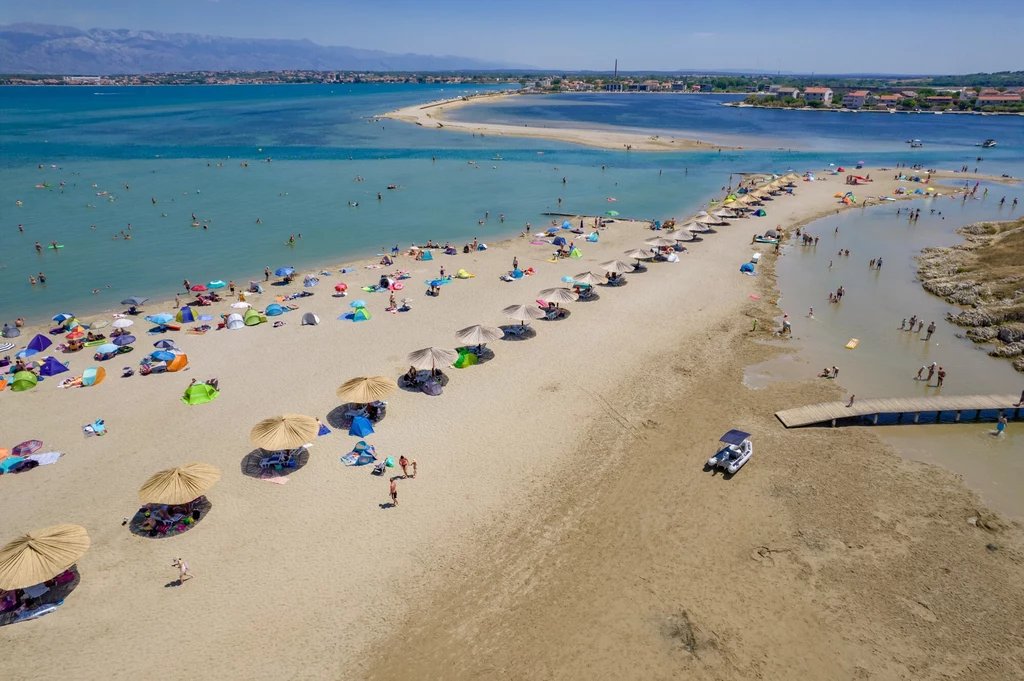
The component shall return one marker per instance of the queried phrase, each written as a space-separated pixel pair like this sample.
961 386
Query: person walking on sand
176 302
850 403
942 377
1001 423
187 284
183 571
394 492
404 463
931 330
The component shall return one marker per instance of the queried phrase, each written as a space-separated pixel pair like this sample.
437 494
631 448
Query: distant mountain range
39 48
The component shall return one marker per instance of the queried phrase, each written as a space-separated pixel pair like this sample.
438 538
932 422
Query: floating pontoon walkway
830 412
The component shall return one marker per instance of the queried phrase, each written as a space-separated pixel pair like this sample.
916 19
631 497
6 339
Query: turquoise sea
161 154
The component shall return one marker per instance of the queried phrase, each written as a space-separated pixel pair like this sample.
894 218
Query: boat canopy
735 437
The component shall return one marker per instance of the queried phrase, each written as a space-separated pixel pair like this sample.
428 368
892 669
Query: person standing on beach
919 372
183 571
878 263
187 285
266 274
1001 423
942 377
931 371
394 492
404 463
931 330
515 263
176 302
231 287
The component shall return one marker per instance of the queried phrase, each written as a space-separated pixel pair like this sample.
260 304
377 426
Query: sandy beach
434 115
560 525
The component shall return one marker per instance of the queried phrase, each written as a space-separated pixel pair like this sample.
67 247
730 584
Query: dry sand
433 115
560 525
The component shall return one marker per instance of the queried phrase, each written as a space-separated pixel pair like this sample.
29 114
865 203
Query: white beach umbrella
122 323
588 278
523 313
706 219
695 227
558 295
660 242
617 266
478 335
637 253
724 213
429 358
684 235
240 305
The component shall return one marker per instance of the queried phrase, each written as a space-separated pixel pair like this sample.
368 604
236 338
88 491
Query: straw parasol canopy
660 242
706 219
724 213
617 266
558 295
284 432
588 278
429 358
179 485
38 556
695 227
523 313
364 390
637 253
478 335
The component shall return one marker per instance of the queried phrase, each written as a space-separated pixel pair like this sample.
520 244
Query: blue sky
823 36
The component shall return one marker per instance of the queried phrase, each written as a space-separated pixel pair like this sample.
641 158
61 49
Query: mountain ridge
50 49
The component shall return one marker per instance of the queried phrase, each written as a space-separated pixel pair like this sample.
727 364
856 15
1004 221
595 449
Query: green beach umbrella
611 213
199 393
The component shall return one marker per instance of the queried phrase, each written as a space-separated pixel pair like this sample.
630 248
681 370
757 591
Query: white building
818 94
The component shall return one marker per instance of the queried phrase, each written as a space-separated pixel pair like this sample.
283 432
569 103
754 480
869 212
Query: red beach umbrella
27 447
341 288
75 335
199 287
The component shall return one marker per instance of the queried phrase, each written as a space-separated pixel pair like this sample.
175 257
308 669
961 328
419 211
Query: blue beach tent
361 427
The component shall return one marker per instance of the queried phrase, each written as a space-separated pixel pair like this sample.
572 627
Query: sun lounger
517 331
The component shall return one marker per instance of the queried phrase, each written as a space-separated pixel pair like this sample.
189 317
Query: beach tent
760 213
575 253
186 315
199 393
592 237
310 319
559 241
463 274
361 427
517 273
566 225
747 267
466 359
93 375
23 380
426 256
310 280
52 367
235 321
360 314
39 343
361 455
10 331
178 363
252 317
274 310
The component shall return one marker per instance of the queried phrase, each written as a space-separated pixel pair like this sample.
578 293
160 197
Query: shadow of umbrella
203 506
529 333
422 376
251 464
337 419
56 594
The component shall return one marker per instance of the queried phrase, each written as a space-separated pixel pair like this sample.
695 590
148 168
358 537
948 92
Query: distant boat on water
987 143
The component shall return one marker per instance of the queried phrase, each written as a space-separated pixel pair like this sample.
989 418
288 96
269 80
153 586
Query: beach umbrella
724 213
611 213
75 335
179 485
407 301
217 284
121 341
163 356
240 305
357 303
616 267
694 227
706 219
684 235
341 288
52 367
27 447
93 375
105 348
478 335
523 313
164 344
4 347
552 230
588 278
437 282
23 380
637 253
27 352
160 319
198 287
660 242
288 431
36 557
134 300
199 393
771 233
63 317
284 271
568 280
429 358
123 323
366 389
558 295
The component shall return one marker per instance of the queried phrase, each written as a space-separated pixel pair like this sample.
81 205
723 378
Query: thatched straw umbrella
38 556
288 431
179 485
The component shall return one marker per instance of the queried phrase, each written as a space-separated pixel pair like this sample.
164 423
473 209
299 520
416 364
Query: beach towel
276 479
46 458
324 430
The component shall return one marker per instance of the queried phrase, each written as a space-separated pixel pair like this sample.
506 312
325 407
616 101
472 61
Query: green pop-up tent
466 359
199 393
23 380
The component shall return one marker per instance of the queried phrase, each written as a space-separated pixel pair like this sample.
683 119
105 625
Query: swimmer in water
31 280
258 221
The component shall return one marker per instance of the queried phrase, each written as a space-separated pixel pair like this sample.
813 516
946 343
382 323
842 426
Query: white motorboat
737 451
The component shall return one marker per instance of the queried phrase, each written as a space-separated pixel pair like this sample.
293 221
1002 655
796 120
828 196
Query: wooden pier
831 412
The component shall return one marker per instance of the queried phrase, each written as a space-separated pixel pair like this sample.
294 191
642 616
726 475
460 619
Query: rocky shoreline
985 275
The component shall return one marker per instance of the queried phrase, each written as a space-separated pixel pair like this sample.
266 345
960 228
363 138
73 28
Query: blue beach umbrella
105 348
284 271
163 356
123 340
552 230
161 319
437 282
568 280
27 352
164 344
357 303
63 317
217 284
137 301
